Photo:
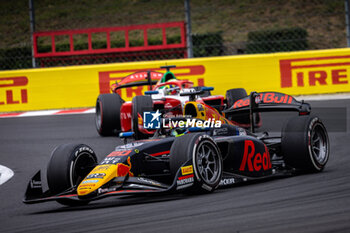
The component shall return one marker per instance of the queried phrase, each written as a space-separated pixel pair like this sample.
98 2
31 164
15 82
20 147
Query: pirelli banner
295 73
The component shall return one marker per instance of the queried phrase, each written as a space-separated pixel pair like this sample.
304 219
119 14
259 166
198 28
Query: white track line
92 110
48 113
38 113
323 97
5 174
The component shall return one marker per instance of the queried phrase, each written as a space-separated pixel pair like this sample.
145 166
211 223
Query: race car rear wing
141 78
267 102
140 83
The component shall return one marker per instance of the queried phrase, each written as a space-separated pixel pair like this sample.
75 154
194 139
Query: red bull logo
254 161
124 169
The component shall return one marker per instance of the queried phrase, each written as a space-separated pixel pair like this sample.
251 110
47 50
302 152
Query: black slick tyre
232 96
206 159
68 166
107 116
235 94
140 104
305 143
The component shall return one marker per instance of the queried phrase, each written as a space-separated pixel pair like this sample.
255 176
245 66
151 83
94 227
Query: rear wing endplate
267 102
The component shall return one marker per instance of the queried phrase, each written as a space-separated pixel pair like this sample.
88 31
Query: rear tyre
140 104
107 114
206 159
305 144
232 96
68 166
235 94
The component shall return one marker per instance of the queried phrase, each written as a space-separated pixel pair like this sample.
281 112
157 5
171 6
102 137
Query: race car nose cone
99 176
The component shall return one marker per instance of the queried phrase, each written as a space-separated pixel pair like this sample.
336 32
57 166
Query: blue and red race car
189 159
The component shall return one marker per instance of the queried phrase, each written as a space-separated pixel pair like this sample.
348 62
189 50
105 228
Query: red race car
167 94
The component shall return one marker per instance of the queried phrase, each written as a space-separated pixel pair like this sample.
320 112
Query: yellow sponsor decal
109 171
100 168
187 170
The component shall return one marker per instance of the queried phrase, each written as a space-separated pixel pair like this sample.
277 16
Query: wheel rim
81 167
319 144
208 163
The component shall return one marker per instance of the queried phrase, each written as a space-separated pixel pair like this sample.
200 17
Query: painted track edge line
48 113
5 174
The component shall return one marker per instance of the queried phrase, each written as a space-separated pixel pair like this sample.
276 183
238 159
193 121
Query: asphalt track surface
306 203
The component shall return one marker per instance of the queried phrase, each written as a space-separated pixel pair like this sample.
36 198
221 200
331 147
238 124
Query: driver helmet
168 76
178 132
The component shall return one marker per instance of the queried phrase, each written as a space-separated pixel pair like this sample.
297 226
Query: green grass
324 20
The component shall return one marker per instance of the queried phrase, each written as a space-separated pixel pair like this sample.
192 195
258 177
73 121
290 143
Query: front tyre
68 166
206 159
305 144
